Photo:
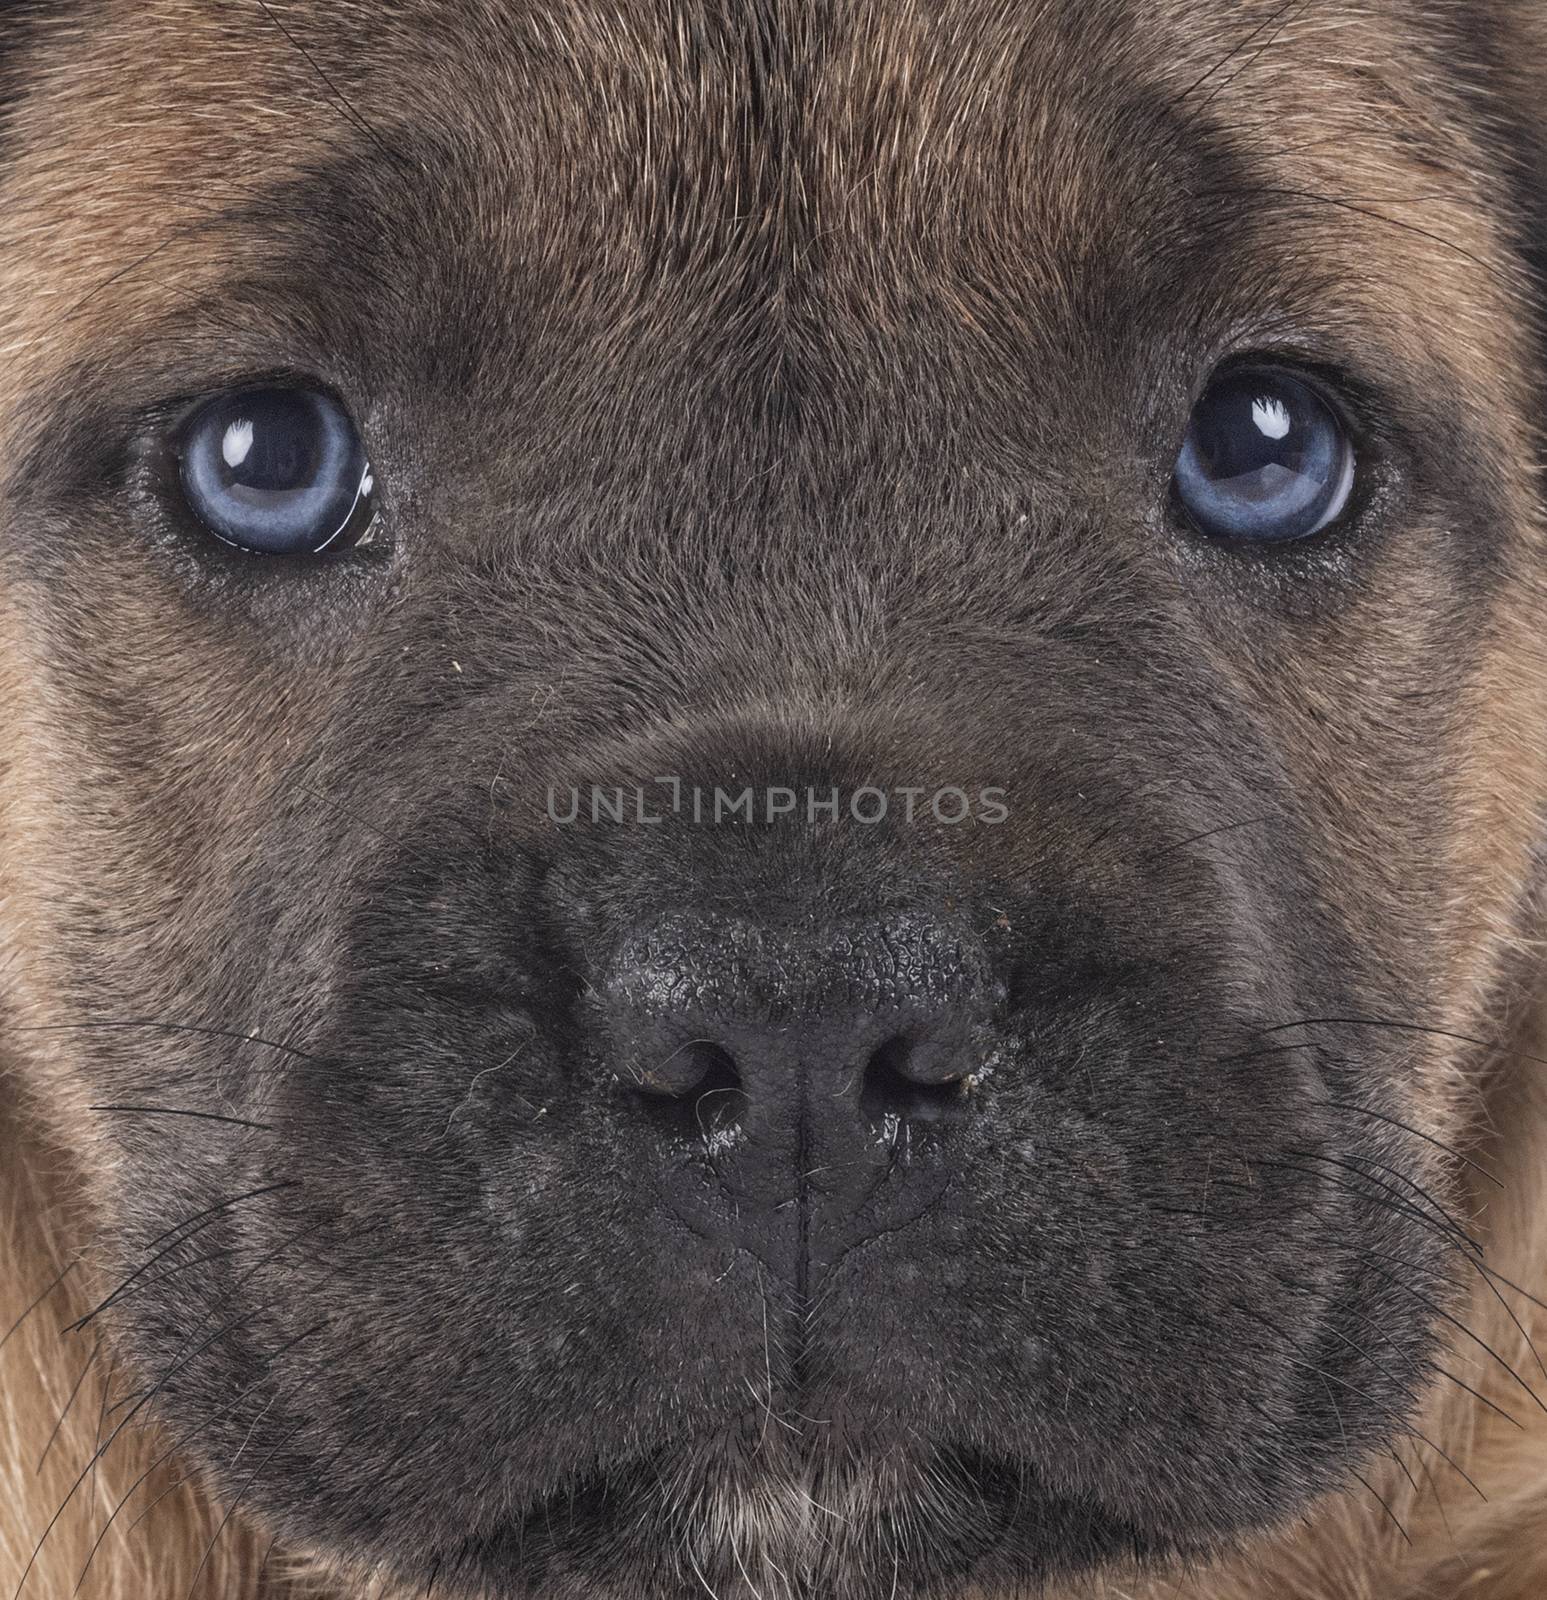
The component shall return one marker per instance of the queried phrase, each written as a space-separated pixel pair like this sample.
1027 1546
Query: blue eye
1265 459
281 471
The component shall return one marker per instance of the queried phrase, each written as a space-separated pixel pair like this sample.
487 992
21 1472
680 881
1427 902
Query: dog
771 801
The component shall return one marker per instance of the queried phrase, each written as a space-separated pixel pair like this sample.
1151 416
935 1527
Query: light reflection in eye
1271 416
237 442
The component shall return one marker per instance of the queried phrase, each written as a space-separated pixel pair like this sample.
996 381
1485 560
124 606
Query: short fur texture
784 392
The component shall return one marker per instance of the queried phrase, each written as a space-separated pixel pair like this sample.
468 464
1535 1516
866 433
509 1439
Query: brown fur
139 120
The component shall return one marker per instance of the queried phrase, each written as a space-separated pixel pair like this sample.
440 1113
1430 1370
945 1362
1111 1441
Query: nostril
929 1057
684 1070
916 1075
695 1090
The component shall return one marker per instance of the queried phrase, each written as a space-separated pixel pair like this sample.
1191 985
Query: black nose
800 1037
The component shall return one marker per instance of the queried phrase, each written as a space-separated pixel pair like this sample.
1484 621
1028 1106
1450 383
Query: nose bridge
724 971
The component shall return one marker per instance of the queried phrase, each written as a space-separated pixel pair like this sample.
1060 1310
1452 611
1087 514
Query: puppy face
771 1197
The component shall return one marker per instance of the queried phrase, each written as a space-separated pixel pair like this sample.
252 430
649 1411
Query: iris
277 470
1265 459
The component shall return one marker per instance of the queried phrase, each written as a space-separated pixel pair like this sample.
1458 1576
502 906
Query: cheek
167 752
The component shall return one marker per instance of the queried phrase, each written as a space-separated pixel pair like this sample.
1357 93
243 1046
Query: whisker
1439 1499
339 99
102 1415
1356 1166
134 266
1235 50
1395 1521
1152 856
1390 1201
174 1447
231 1250
270 1256
1252 191
1395 1419
248 1482
1509 1283
1278 21
1444 1315
1483 1277
381 833
34 1304
1397 1027
102 1533
75 1389
1426 1196
118 1429
1408 1429
203 1218
1461 1383
1417 1133
179 1111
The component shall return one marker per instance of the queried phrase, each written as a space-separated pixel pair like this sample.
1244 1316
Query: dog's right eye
282 471
1265 460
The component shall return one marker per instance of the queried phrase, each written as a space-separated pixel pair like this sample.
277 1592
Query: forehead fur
979 178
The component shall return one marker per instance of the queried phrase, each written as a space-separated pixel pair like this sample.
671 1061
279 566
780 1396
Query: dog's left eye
282 471
1265 459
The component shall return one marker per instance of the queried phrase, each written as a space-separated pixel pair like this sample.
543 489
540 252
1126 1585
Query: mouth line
1003 1516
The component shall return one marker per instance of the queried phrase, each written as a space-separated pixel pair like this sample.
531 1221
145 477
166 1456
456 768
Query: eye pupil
280 461
277 470
1265 459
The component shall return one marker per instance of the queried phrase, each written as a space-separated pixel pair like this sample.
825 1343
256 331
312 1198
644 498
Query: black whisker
129 1494
1395 1522
1485 1279
381 833
1278 22
247 1483
172 1449
1425 1196
1235 50
1509 1283
1150 857
203 1218
144 1400
1417 1133
123 272
75 1389
339 99
231 1250
1489 267
179 1111
1491 1045
1508 1416
1389 1200
1439 1311
34 1304
1391 1450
